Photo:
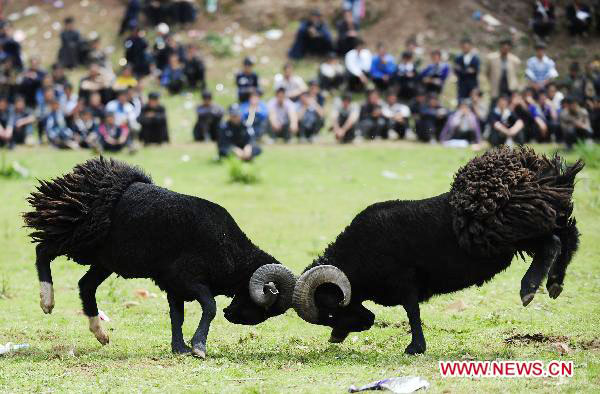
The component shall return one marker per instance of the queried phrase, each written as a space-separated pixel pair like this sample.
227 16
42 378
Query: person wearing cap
331 73
407 76
283 119
434 75
153 121
502 70
358 65
383 68
235 138
255 114
344 119
194 68
313 38
466 69
540 68
246 80
114 137
575 122
209 116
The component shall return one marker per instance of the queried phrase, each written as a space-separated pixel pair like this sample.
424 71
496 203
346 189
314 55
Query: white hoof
96 329
46 297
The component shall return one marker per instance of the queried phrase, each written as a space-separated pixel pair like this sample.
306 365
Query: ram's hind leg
569 238
544 257
42 263
87 291
209 310
178 345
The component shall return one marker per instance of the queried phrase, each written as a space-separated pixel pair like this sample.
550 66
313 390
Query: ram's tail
511 195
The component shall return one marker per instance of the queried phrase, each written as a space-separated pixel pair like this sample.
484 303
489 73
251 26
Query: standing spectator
153 121
356 7
31 81
543 18
136 53
347 31
235 138
123 111
540 68
11 49
130 19
397 114
194 68
344 119
246 80
579 18
292 84
434 75
7 122
209 118
407 77
310 117
23 122
331 73
358 64
57 131
283 120
312 38
255 114
173 75
462 125
114 136
373 123
383 68
502 69
466 68
506 127
574 122
70 45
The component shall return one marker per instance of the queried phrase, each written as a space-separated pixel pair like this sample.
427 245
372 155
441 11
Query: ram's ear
328 296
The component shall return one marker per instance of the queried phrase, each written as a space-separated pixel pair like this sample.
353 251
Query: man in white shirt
124 111
540 68
293 84
358 63
283 120
397 114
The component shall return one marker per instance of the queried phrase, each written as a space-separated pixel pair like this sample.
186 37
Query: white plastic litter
490 20
11 347
273 34
404 384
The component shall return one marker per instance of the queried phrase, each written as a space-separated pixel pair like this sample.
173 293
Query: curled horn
272 284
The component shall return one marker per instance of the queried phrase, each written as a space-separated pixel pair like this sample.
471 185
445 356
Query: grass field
305 197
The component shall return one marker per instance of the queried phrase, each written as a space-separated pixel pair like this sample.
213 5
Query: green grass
307 194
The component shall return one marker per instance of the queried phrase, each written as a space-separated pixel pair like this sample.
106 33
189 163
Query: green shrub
590 153
240 172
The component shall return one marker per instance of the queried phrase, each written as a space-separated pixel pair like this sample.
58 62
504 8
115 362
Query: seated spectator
85 129
292 84
163 52
502 71
310 117
126 79
96 107
58 76
183 11
591 82
114 136
69 100
347 34
434 75
314 92
418 106
506 127
173 76
344 119
466 68
358 65
8 78
255 114
136 53
246 81
283 119
462 124
43 109
312 38
31 82
7 122
432 119
536 128
96 54
209 119
479 107
194 68
550 116
70 45
554 95
407 77
95 82
153 121
123 111
579 18
373 124
23 122
235 138
397 114
57 131
575 122
356 7
331 73
383 68
11 49
543 18
540 68
595 117
416 52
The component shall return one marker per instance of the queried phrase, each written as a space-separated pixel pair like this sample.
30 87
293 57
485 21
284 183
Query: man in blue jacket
466 68
383 68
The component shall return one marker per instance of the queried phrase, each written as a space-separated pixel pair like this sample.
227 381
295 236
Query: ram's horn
304 292
272 285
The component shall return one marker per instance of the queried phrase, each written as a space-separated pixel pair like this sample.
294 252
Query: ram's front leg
544 257
569 238
176 312
411 306
209 310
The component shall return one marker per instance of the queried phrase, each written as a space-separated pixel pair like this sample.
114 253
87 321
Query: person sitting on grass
383 68
194 68
575 122
114 137
24 121
292 83
463 124
173 76
209 119
331 73
373 123
432 119
506 127
123 110
313 38
283 120
153 119
255 114
235 138
6 124
310 117
125 79
85 128
397 114
344 119
57 131
358 65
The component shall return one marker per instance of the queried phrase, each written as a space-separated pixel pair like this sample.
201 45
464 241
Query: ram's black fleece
110 216
502 203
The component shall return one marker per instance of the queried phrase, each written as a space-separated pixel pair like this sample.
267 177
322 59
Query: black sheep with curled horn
501 205
109 216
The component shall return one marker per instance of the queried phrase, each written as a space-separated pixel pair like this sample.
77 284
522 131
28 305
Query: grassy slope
306 197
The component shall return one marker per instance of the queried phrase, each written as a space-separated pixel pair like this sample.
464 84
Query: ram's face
243 311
